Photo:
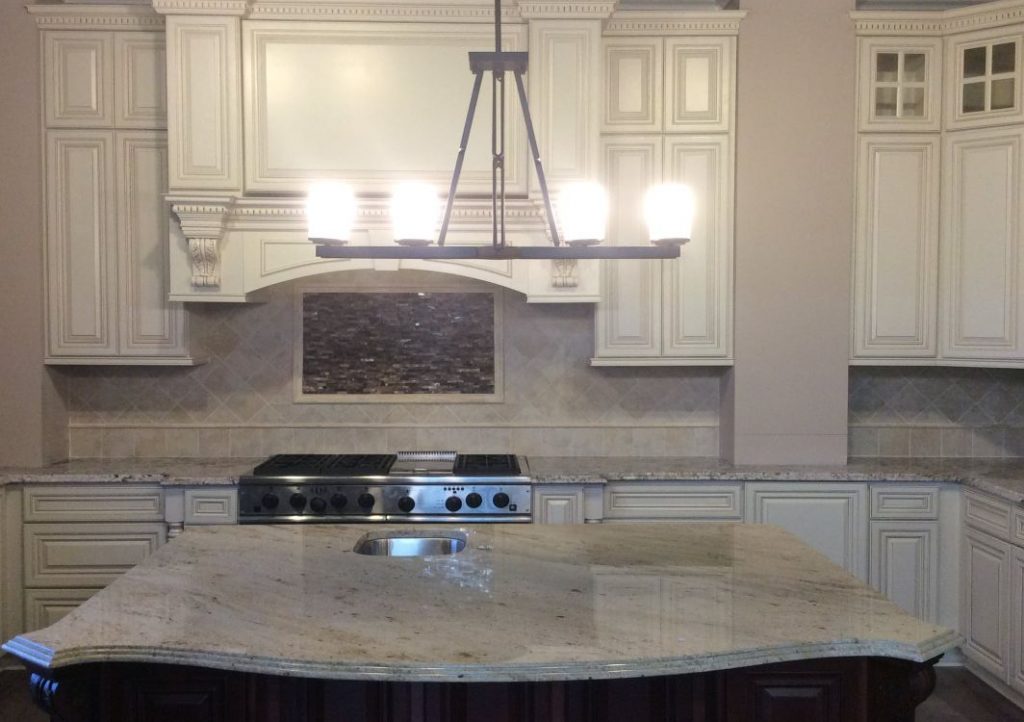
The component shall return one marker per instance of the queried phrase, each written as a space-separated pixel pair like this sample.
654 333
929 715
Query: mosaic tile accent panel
398 343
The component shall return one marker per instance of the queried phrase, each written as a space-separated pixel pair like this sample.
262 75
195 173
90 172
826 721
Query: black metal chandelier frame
498 63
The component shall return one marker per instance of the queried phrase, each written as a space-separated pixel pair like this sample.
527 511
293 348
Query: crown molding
202 7
684 22
561 9
939 22
95 17
376 11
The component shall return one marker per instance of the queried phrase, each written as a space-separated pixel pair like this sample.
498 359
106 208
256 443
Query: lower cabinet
558 504
904 564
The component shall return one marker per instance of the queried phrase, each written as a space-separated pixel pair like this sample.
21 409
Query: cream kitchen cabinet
899 84
106 173
673 501
983 77
674 312
558 504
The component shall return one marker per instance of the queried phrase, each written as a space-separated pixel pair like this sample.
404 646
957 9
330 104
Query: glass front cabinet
900 84
984 78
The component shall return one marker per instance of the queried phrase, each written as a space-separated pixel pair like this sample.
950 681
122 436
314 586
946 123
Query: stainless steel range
407 486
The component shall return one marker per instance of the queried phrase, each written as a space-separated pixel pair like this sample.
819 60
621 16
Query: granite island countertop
520 603
1004 478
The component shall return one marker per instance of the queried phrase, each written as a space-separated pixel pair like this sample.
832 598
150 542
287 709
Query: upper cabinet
668 116
106 176
938 252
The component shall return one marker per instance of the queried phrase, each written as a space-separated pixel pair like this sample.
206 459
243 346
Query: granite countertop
521 602
1002 478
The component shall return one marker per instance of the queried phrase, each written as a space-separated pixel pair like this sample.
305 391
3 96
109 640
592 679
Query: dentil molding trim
201 7
203 222
96 17
659 22
943 22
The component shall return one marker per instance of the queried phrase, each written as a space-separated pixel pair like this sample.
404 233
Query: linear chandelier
582 206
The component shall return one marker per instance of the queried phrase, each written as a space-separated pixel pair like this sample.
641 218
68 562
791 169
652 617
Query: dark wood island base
864 689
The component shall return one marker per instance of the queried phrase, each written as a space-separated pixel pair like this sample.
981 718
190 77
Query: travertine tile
85 443
925 442
863 441
956 442
893 442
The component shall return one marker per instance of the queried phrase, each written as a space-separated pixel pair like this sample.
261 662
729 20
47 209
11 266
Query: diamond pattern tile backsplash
241 403
949 412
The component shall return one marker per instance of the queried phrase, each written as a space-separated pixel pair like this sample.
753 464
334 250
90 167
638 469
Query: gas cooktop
407 486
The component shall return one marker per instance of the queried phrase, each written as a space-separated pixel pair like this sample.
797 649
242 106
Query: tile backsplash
241 403
948 412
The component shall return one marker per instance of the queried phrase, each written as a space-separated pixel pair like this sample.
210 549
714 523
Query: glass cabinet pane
913 102
913 67
885 102
974 62
1002 94
1004 58
887 67
974 97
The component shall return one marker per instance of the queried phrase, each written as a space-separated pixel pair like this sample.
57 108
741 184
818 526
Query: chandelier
582 206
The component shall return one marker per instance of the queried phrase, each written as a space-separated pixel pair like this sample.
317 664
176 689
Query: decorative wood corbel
202 222
565 273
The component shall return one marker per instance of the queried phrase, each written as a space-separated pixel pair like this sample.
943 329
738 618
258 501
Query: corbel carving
565 273
202 222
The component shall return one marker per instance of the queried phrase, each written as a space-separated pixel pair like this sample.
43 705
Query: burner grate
325 465
486 465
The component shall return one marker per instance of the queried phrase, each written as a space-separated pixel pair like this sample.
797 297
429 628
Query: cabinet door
79 79
698 84
1016 671
629 315
698 285
44 607
831 518
140 79
558 505
81 257
904 563
149 324
984 80
896 247
899 84
86 555
985 601
981 252
633 84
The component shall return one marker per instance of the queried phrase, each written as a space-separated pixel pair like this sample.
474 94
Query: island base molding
829 690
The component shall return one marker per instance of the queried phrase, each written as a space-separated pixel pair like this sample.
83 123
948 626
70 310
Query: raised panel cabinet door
629 314
904 562
44 607
981 252
78 78
150 324
822 695
896 248
699 84
831 518
204 94
86 555
81 255
985 601
1016 671
140 79
558 505
698 285
633 83
899 84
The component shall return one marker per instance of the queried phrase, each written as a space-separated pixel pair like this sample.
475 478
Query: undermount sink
405 544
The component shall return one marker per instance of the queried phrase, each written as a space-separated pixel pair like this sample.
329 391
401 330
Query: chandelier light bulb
330 212
415 210
669 209
583 213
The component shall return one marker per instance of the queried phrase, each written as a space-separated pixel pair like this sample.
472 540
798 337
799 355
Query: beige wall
32 420
786 399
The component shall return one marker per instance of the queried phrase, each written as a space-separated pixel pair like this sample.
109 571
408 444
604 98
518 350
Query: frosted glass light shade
330 212
415 210
583 213
669 209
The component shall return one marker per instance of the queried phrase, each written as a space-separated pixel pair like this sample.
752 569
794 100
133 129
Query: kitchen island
610 622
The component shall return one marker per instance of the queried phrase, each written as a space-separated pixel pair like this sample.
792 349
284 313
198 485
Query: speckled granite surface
521 602
1002 478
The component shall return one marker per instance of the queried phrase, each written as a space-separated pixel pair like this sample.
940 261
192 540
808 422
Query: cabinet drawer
674 501
86 555
904 502
44 607
987 514
211 506
93 503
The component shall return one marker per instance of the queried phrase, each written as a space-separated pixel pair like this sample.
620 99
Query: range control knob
270 501
473 500
339 501
298 501
366 500
453 503
406 504
318 505
501 500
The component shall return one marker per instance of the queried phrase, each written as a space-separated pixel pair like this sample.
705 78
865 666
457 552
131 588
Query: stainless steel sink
406 544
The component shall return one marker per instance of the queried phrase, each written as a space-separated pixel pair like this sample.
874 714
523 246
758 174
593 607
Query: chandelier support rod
538 165
462 155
